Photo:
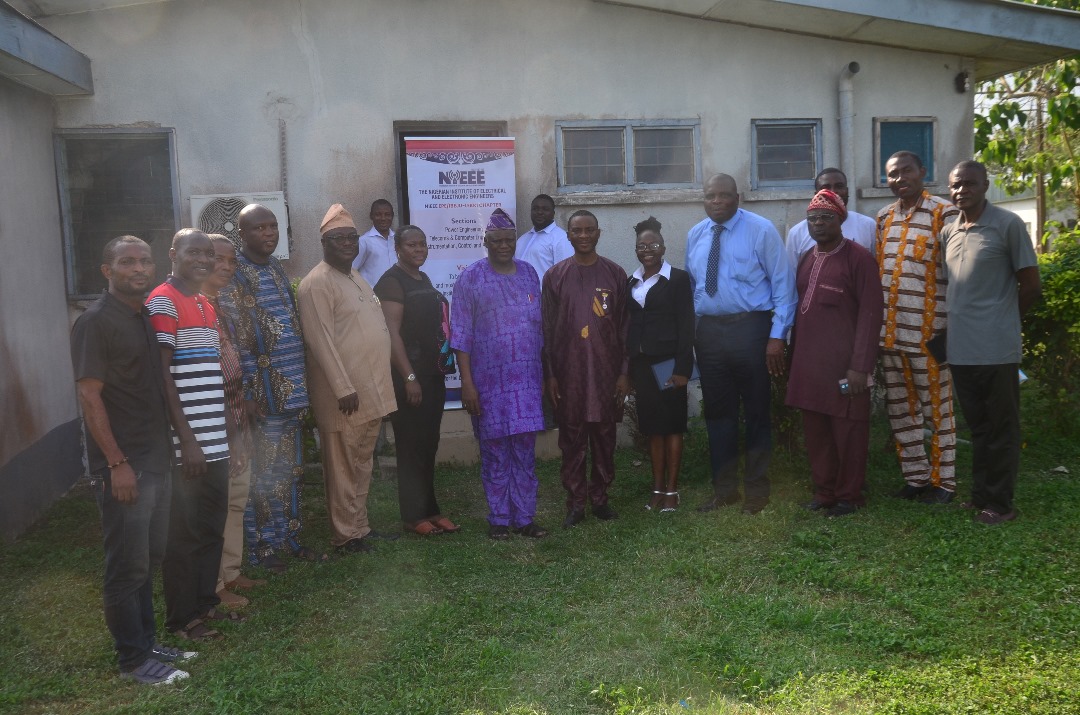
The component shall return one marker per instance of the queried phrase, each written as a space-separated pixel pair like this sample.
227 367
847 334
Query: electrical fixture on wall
220 213
963 82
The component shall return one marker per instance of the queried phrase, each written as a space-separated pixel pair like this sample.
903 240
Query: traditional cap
828 201
337 217
500 221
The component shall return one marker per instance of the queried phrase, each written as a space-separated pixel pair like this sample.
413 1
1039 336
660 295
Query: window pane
117 184
664 156
917 137
786 152
593 156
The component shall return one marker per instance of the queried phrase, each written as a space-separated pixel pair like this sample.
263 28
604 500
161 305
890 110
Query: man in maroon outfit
585 364
835 345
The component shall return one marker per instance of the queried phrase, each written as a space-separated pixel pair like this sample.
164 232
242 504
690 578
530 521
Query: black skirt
658 411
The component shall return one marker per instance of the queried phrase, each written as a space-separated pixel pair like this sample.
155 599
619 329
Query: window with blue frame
787 152
914 134
599 155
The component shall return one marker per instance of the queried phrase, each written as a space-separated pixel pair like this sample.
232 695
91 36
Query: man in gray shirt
993 280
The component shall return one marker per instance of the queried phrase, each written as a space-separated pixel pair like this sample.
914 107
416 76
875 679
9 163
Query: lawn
901 608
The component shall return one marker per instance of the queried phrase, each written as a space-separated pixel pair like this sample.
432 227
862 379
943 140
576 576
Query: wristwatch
411 377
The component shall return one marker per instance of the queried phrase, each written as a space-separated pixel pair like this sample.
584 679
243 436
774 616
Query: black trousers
989 397
416 440
189 572
731 358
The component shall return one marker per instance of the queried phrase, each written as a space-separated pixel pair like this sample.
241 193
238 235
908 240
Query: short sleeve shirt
984 312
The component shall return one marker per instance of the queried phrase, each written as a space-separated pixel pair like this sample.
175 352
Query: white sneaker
154 672
172 655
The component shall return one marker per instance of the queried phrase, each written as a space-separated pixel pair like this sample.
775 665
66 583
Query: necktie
712 269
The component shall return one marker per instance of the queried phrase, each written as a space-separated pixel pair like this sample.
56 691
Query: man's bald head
258 228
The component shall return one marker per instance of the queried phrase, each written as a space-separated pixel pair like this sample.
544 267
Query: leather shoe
242 583
752 507
815 505
841 508
717 501
936 495
911 492
356 546
573 518
605 512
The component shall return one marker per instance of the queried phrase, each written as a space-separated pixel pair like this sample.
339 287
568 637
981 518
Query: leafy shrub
1052 326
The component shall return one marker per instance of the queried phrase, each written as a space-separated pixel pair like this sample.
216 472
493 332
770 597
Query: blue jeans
134 536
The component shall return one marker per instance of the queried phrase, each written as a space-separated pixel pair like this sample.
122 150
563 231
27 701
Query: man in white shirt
860 229
545 244
377 252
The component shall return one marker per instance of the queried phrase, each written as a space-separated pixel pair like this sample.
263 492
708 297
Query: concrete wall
340 72
40 449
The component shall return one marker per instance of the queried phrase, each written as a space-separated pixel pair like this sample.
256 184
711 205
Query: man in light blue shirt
744 297
377 251
545 244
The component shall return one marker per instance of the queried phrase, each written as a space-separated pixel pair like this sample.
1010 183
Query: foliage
901 608
1052 327
1030 129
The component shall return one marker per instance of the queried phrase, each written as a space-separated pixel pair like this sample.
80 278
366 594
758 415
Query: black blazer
665 326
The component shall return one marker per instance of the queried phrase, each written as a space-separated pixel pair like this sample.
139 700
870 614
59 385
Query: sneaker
154 672
172 655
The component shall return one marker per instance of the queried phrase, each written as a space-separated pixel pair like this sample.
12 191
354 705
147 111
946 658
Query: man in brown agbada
348 360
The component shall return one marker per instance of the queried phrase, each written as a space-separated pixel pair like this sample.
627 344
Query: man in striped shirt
918 390
186 328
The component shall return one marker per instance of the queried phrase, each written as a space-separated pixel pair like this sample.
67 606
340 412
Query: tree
1027 129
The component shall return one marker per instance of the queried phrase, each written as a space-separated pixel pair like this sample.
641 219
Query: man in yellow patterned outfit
918 389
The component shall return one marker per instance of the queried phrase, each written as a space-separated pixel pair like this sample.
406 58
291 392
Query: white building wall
340 72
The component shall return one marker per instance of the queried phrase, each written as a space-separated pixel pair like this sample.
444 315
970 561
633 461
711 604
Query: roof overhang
34 57
999 36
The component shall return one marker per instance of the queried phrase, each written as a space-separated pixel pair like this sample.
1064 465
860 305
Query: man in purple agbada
497 335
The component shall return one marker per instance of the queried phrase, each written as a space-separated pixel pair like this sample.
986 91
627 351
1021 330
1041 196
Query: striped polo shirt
188 324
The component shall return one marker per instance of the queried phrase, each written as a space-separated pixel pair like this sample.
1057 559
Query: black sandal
532 531
498 532
306 554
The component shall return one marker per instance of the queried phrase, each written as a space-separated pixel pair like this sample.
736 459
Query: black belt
734 317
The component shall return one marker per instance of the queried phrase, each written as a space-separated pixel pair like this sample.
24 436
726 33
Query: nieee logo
462 178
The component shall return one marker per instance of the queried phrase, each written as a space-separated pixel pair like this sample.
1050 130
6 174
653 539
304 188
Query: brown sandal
197 631
445 524
424 528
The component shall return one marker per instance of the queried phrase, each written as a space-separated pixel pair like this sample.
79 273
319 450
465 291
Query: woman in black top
417 318
660 344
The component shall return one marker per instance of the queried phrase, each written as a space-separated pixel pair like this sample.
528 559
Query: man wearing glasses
348 358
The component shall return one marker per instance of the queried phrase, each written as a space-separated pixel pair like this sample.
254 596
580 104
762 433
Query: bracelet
114 466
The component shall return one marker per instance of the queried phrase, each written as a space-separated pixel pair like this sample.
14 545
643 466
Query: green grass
901 608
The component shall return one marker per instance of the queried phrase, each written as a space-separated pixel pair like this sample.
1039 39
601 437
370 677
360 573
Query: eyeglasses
642 247
351 238
822 217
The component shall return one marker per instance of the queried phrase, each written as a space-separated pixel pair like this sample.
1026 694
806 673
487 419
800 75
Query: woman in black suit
661 348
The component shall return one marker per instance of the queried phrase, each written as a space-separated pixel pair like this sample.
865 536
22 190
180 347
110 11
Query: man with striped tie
185 324
744 297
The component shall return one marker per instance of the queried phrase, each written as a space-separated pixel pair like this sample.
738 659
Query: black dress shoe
605 512
356 546
573 518
382 535
754 506
498 532
841 508
716 502
911 492
937 495
815 505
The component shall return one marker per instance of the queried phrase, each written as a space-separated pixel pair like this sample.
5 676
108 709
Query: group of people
194 397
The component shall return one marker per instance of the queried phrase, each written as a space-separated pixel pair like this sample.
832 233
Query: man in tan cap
348 358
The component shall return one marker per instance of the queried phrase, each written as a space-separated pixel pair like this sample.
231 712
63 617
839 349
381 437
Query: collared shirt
376 255
115 344
984 312
857 227
640 290
755 272
544 248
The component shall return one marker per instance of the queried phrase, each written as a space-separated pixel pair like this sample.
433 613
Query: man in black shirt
120 387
